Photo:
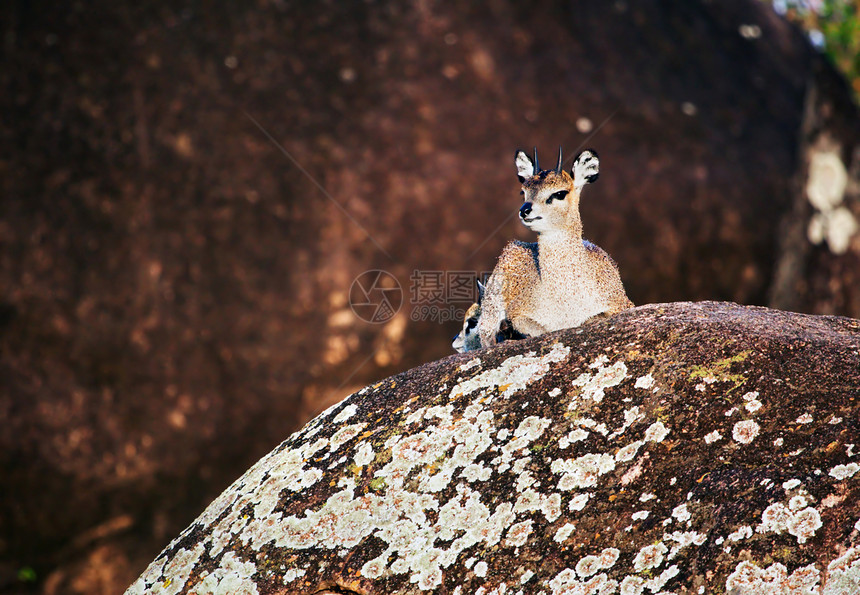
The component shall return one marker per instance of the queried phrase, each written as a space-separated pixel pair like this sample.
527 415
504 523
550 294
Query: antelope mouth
530 219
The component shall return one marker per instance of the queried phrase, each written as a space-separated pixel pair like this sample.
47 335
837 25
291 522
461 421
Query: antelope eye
560 195
470 324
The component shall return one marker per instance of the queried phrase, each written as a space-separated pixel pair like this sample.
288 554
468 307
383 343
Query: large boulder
686 448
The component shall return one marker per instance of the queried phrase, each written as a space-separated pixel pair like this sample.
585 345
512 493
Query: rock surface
674 448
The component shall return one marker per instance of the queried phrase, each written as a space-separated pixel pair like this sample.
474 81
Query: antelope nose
525 210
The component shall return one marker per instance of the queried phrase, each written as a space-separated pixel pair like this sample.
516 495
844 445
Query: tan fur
562 280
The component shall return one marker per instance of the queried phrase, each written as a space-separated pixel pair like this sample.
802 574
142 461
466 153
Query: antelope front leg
492 313
528 326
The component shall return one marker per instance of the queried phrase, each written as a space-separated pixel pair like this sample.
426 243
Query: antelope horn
558 167
537 167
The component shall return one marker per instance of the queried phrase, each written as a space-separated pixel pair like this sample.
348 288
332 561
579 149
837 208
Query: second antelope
561 280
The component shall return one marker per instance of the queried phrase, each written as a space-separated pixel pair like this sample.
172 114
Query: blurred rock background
190 189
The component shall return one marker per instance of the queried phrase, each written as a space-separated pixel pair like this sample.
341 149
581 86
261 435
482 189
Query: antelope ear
481 290
525 166
586 168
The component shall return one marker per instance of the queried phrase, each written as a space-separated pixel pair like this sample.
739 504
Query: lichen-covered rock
675 448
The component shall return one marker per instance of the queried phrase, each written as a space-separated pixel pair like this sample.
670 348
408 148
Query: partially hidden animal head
551 196
468 339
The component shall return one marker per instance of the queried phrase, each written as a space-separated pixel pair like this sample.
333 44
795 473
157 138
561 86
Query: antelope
561 280
468 340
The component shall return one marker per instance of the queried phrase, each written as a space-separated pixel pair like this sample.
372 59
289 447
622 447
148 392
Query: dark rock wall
174 287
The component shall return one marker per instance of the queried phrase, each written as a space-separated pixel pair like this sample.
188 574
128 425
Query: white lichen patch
631 416
646 381
827 179
750 578
806 418
802 523
599 362
575 435
582 472
658 582
594 385
563 533
743 532
364 454
149 578
345 414
650 556
843 573
608 557
551 507
683 539
681 513
587 422
841 472
628 453
476 472
712 437
578 502
231 576
656 432
472 363
513 375
518 534
790 484
640 515
178 568
774 518
591 564
344 435
745 431
753 405
632 585
587 566
374 568
567 582
433 456
293 573
797 502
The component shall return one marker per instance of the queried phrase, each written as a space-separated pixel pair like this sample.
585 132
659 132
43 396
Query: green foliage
834 25
839 21
27 575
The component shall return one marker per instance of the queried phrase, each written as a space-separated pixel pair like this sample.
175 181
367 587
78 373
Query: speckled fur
561 280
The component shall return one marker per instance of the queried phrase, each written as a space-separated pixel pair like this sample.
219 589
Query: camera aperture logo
375 296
